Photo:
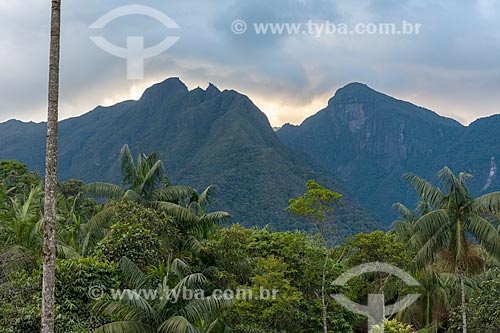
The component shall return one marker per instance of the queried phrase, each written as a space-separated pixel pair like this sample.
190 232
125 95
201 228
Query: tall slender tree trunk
464 309
324 310
428 310
49 228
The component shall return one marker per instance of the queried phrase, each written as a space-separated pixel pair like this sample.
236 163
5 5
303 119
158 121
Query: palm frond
104 190
206 223
193 244
36 231
151 159
191 281
133 275
207 195
14 258
213 326
177 324
485 233
454 184
125 327
204 308
452 282
431 246
426 226
215 217
174 194
152 176
487 203
448 179
96 227
463 176
179 267
426 190
132 195
67 252
423 208
127 166
404 230
119 309
195 208
404 212
181 214
131 304
157 177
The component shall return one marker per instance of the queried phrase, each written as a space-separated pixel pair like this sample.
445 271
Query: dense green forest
150 256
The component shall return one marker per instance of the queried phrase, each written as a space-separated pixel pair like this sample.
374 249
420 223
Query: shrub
483 309
392 326
139 233
20 298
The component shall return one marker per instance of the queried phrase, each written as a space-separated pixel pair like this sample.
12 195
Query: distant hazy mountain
370 140
204 137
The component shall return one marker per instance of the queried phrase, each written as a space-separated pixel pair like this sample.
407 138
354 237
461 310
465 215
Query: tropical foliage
123 263
457 229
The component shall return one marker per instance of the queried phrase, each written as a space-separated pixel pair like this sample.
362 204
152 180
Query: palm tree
404 228
143 309
433 301
192 218
21 231
144 182
456 220
49 230
21 237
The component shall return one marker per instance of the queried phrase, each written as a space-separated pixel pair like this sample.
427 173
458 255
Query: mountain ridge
210 84
370 140
363 138
204 137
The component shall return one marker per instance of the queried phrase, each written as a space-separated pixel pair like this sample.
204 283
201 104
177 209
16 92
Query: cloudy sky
452 66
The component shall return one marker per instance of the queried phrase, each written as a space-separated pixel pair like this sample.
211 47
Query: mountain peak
168 87
356 85
353 90
212 91
374 102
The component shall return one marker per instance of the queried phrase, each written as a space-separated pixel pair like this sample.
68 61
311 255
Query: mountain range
370 140
203 136
360 145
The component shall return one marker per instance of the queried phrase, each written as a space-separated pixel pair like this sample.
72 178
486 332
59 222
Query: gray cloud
451 67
